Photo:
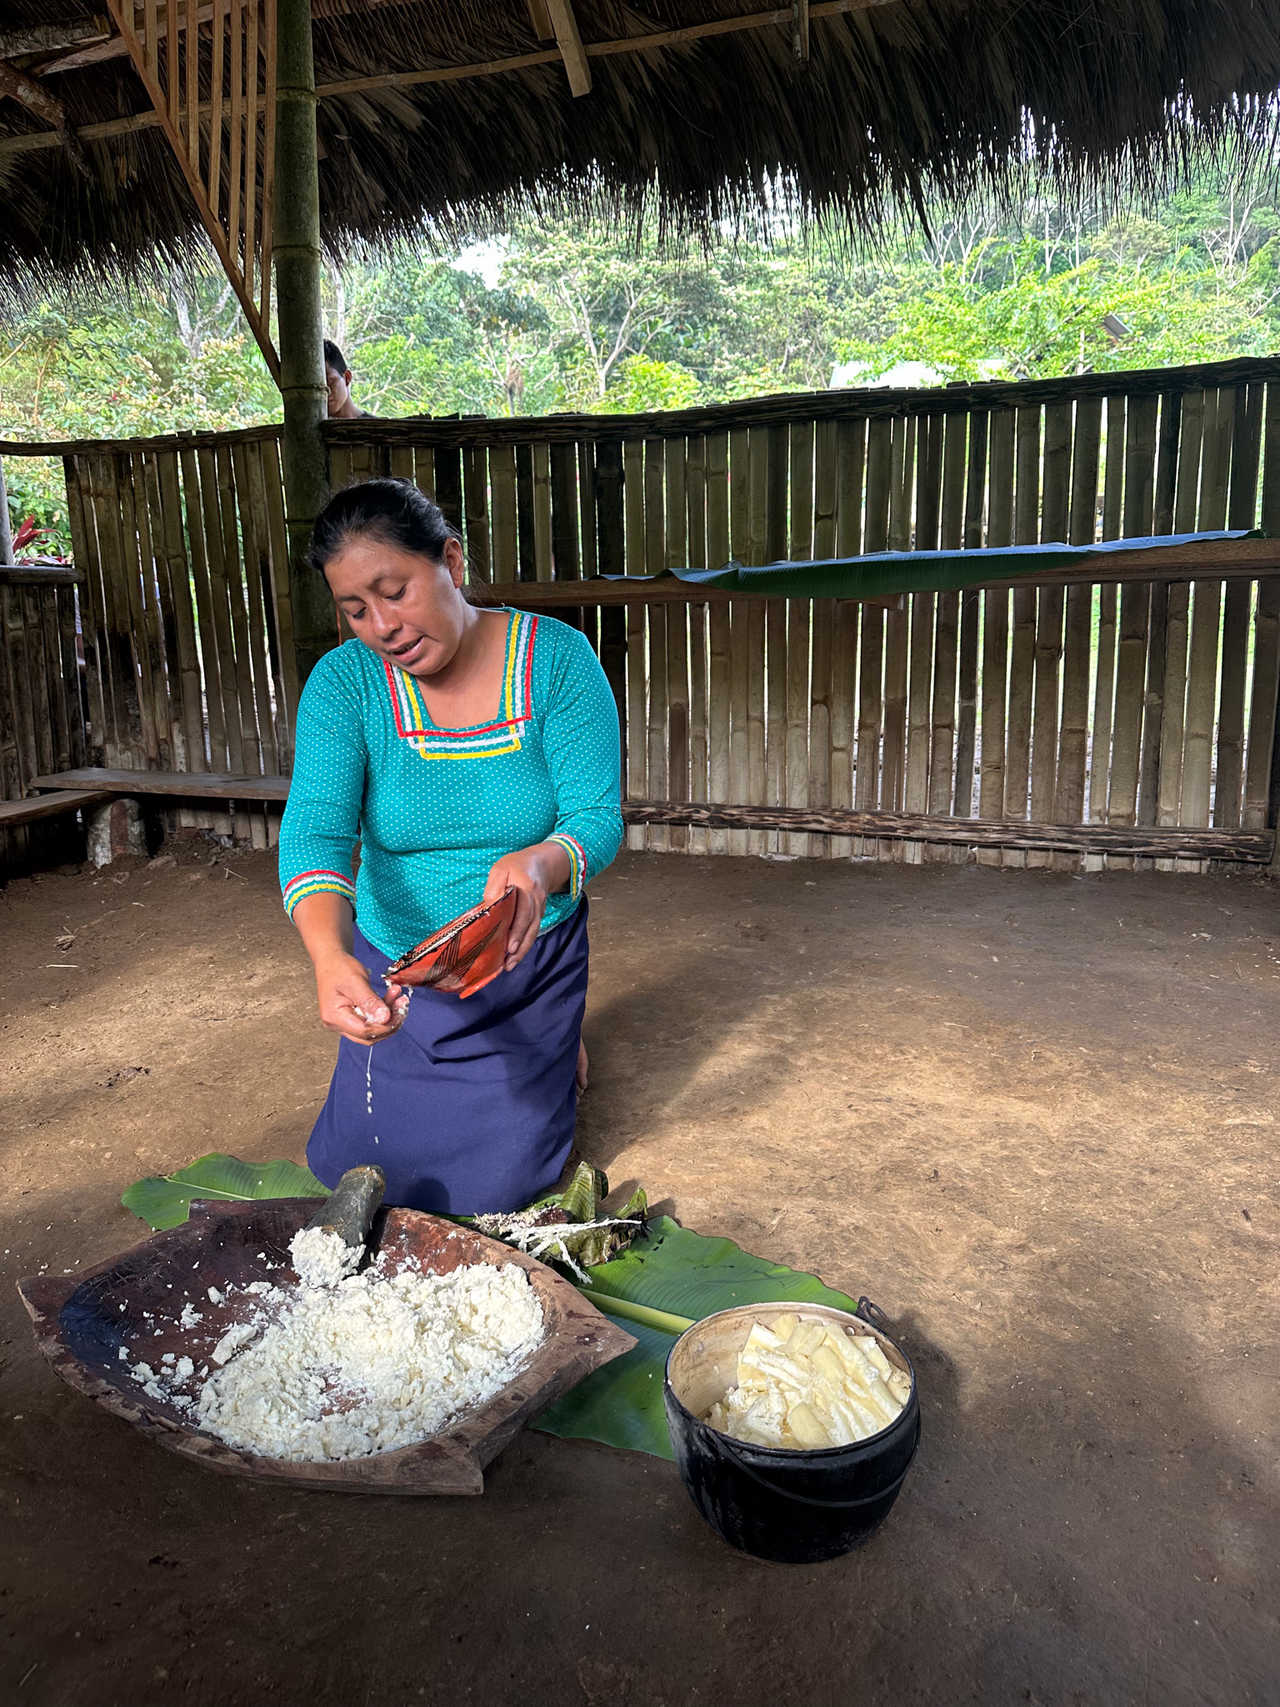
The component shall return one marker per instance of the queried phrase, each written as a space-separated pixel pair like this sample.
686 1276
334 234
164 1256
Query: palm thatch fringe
459 115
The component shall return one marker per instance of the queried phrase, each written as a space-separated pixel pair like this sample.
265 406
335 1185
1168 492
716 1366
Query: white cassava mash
350 1364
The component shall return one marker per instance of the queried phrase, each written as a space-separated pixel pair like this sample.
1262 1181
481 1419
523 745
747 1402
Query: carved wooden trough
135 1301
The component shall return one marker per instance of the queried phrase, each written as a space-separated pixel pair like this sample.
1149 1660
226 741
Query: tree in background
568 315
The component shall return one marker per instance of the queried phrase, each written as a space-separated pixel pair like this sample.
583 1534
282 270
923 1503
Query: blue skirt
469 1108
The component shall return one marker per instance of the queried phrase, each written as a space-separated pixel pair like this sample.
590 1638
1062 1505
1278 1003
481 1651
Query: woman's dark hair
333 357
396 512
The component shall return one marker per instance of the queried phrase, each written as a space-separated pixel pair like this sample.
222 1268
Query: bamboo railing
1144 705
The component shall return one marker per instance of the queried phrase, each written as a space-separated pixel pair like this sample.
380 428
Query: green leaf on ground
687 1274
164 1200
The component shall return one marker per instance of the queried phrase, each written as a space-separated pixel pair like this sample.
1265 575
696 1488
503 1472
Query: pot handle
831 1505
874 1315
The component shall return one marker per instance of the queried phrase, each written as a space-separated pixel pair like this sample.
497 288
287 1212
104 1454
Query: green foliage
34 487
164 1200
563 314
684 1274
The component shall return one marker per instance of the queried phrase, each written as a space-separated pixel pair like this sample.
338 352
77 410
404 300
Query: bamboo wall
188 644
1149 703
42 713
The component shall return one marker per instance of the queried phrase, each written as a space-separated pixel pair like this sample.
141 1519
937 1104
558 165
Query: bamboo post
298 262
6 534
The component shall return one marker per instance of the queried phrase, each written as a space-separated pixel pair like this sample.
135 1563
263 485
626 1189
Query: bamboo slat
1073 748
897 629
851 449
1134 619
588 501
73 688
696 556
424 474
502 476
866 793
799 615
186 673
541 511
226 583
1206 616
288 686
108 508
84 549
1202 686
893 744
655 560
970 623
257 575
14 839
526 545
207 637
475 503
637 634
1046 709
826 477
951 532
1261 791
762 446
605 527
167 677
1242 504
149 636
256 559
30 628
676 620
720 691
18 757
1026 528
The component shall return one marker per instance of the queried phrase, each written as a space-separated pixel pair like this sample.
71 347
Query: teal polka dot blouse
433 809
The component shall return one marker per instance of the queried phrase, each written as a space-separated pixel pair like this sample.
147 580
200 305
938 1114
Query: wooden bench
180 785
14 813
1174 841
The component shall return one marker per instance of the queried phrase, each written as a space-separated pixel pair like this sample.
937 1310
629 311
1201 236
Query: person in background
469 752
338 378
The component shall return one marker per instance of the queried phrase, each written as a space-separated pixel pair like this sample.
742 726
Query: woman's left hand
525 872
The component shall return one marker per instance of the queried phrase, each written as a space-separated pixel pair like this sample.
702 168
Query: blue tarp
881 573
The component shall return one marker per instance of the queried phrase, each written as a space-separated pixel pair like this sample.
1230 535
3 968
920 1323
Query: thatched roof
899 103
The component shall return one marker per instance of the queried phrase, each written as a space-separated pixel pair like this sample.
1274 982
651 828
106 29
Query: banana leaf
682 1273
164 1200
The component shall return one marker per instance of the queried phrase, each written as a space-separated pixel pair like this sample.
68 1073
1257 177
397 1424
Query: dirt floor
1033 1115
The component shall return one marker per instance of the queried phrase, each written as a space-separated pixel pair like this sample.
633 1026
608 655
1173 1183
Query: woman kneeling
468 752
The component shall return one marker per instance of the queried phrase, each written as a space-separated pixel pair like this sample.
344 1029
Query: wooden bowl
135 1301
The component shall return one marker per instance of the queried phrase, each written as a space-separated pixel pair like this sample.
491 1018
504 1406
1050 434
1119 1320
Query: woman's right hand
349 1004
